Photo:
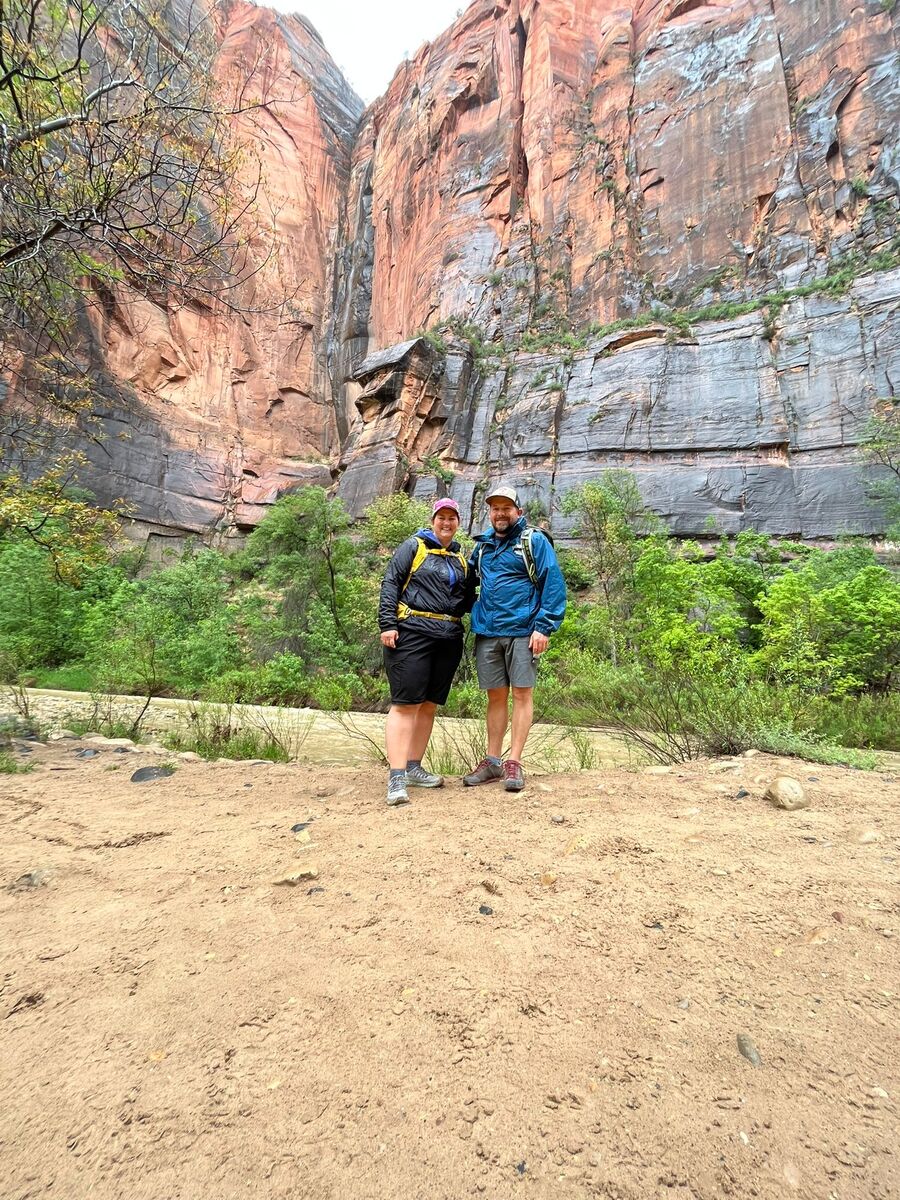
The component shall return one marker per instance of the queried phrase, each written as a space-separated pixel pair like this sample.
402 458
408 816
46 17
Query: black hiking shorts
421 667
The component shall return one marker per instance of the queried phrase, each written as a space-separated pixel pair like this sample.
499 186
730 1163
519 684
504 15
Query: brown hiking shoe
485 772
513 776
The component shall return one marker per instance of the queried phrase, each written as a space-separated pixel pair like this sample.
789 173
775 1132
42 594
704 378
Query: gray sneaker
419 777
397 793
485 772
513 775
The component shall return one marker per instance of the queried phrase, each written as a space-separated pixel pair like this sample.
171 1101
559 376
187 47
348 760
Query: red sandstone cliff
602 155
545 164
212 411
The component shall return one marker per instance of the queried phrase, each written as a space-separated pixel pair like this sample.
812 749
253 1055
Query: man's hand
537 643
389 639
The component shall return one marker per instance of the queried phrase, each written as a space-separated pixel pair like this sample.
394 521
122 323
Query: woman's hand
389 639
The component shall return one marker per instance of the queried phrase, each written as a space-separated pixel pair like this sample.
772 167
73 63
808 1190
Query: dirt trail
468 999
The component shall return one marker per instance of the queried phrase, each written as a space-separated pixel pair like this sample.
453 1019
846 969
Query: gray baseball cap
506 490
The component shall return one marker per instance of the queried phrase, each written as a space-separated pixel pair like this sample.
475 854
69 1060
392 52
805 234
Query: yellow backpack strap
464 562
422 552
418 559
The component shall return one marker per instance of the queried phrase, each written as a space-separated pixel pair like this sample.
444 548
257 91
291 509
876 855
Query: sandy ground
469 999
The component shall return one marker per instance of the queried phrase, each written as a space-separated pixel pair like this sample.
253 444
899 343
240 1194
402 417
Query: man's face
503 514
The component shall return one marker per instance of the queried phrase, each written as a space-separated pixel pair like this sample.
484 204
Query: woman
423 597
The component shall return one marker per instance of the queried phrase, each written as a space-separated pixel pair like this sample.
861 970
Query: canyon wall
209 412
540 171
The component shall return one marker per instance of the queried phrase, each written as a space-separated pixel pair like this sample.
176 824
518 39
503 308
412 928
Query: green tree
171 633
831 624
390 520
880 449
41 614
316 599
48 512
611 519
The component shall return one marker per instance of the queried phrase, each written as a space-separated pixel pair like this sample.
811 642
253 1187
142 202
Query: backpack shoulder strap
463 561
418 559
528 555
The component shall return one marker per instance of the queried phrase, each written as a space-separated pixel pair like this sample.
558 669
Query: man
521 602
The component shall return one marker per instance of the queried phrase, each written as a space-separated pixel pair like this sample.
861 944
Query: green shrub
679 710
282 680
832 623
812 749
576 571
390 520
104 720
42 614
869 722
466 699
168 634
226 731
9 765
72 678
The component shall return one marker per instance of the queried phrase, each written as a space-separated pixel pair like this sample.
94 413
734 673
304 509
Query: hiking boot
418 777
513 777
485 772
397 793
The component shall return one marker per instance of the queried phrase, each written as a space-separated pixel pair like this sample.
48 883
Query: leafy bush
169 633
282 680
677 710
390 520
42 613
74 677
870 722
832 624
576 572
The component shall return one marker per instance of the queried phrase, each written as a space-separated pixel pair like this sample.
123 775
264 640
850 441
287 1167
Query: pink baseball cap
446 502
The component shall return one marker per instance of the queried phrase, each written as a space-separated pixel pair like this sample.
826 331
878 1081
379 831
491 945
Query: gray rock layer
737 426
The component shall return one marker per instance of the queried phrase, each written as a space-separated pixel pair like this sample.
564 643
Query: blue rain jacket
508 604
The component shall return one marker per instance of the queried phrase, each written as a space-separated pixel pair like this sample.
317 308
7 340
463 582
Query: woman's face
445 523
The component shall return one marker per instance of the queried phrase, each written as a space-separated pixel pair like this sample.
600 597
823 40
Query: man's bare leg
522 717
497 719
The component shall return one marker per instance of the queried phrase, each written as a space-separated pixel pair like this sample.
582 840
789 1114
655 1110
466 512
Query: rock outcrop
736 426
538 169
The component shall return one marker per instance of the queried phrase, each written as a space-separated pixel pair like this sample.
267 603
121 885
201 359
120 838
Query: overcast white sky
368 38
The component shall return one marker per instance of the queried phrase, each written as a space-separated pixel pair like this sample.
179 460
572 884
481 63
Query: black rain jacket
439 585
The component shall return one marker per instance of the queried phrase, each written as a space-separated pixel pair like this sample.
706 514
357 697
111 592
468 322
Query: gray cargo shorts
504 662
